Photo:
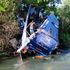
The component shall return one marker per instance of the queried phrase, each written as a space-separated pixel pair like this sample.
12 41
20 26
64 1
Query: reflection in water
56 63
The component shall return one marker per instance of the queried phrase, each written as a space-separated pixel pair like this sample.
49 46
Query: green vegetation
8 8
64 13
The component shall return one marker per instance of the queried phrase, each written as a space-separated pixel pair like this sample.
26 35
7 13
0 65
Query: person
32 27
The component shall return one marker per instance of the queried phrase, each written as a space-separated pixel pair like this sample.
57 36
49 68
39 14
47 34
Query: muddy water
55 63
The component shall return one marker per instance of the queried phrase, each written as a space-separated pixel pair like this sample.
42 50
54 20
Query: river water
60 62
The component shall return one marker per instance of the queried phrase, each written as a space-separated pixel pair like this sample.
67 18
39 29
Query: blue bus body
46 40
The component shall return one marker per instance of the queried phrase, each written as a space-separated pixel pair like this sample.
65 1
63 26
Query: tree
64 13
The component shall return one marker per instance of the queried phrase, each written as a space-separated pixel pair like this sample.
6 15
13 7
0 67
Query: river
60 62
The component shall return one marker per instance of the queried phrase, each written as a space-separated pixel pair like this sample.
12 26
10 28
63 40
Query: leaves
2 8
64 13
4 4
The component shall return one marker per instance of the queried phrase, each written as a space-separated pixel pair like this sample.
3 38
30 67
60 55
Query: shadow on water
58 62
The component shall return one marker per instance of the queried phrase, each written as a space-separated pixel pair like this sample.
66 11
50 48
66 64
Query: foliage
41 3
66 2
64 13
8 8
3 5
